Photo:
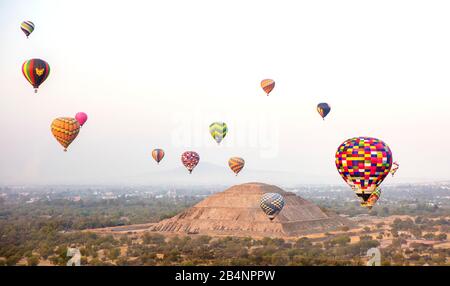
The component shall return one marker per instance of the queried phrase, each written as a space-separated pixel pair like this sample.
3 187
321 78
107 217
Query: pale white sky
156 73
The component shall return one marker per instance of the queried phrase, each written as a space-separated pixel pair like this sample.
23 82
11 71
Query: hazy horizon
155 74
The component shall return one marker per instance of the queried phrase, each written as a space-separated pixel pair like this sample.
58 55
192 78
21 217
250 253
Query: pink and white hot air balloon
190 159
81 117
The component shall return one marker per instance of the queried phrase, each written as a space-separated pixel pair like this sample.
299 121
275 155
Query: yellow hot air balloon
65 130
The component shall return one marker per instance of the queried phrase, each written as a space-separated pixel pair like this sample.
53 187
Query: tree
114 254
442 236
33 260
341 240
303 242
12 260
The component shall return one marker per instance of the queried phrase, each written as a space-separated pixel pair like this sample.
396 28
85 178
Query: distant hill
208 174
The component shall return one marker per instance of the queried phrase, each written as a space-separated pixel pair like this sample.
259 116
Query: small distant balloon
218 131
272 204
190 159
36 72
81 117
236 164
27 27
65 130
267 85
323 109
394 168
158 155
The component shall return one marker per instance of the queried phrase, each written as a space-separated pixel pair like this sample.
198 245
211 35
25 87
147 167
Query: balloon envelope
190 159
158 155
36 72
236 164
65 130
27 27
81 117
363 163
267 85
218 131
272 204
394 169
323 109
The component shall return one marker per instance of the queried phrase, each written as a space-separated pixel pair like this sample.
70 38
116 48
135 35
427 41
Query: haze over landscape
156 74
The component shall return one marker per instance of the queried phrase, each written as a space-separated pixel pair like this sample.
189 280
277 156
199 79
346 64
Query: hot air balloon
323 109
36 72
65 130
267 85
27 27
271 204
190 160
158 155
218 131
81 117
236 164
394 169
363 163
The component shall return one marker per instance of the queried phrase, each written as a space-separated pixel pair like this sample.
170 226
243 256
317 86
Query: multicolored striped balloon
271 204
36 72
267 85
236 164
65 130
27 27
158 155
218 131
323 109
363 163
190 159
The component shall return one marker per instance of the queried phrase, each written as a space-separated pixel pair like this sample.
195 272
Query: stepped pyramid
236 212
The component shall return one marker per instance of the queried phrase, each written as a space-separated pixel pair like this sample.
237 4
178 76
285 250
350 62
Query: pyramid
236 212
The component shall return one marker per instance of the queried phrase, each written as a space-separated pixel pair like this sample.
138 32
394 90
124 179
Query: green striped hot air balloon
218 131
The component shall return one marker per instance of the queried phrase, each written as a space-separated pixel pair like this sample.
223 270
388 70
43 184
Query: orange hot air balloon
267 85
158 155
65 130
236 164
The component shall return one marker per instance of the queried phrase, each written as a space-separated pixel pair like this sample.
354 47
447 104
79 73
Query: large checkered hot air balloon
190 159
271 204
363 163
